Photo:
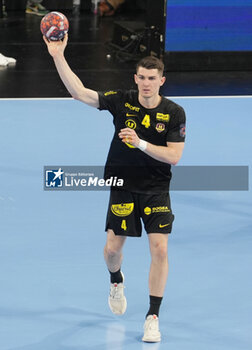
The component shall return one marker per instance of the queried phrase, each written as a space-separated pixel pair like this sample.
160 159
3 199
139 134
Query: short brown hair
151 62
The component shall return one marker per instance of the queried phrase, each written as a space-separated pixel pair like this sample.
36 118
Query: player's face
148 82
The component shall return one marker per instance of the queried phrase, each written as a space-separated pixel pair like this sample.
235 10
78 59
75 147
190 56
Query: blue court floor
53 281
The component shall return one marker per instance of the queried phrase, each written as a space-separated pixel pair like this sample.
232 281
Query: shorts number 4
123 225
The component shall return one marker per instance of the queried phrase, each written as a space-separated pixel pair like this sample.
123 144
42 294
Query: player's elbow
75 96
78 93
171 159
174 152
175 159
174 162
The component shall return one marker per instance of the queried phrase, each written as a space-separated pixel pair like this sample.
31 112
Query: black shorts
126 209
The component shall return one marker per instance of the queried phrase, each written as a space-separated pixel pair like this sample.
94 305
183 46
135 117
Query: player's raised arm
71 81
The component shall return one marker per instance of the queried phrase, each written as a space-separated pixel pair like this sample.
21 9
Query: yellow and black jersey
165 123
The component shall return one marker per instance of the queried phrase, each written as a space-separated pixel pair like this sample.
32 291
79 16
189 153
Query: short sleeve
176 132
110 100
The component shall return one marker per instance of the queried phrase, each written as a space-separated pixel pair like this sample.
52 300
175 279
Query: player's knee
110 250
159 251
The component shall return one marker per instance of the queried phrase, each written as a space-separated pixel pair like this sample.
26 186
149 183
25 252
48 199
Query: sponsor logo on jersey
123 209
163 117
148 210
160 127
182 131
132 108
110 93
130 124
130 115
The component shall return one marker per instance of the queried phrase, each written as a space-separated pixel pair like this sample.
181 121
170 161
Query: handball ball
54 26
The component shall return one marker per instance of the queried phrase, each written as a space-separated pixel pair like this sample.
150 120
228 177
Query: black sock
155 303
116 277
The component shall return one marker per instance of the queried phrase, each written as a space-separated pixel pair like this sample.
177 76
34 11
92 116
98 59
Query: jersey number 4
146 121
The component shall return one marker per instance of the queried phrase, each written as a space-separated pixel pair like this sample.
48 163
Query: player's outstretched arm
71 81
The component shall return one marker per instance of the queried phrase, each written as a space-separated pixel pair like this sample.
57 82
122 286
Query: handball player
149 138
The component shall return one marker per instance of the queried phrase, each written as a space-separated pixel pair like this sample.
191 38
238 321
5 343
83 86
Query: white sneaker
37 9
117 301
4 61
151 330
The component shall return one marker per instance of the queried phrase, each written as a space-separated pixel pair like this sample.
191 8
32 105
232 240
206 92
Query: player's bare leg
157 281
113 251
159 263
113 257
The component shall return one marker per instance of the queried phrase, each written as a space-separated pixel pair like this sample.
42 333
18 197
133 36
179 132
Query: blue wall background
198 25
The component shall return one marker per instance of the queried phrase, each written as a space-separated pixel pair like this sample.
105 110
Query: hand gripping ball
54 26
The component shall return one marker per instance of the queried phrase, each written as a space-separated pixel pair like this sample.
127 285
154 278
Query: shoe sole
153 340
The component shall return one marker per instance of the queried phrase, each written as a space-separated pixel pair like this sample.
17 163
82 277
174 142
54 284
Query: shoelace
115 291
153 325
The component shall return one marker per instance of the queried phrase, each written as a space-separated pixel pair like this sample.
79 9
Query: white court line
170 97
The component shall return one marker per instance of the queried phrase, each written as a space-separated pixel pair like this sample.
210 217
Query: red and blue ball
54 26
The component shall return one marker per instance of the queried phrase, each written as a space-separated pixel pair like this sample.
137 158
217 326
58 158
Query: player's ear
163 79
135 78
